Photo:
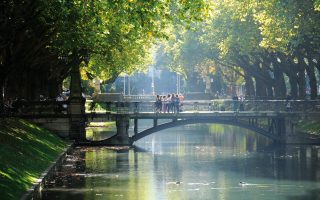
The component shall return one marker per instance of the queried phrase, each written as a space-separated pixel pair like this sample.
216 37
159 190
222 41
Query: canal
193 162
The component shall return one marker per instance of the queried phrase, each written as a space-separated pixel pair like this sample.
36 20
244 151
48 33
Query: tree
263 41
41 40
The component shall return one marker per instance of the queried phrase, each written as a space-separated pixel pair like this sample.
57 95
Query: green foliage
317 5
118 35
110 37
113 36
287 24
309 126
247 37
26 151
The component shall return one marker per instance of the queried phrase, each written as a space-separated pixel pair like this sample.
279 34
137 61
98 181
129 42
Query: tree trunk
293 86
269 90
14 85
279 86
249 86
33 88
53 89
302 83
261 91
290 69
312 81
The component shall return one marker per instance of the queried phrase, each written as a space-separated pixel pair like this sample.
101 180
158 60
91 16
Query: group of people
170 103
237 103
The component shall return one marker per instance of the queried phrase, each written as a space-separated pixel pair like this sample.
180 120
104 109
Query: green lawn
26 151
311 126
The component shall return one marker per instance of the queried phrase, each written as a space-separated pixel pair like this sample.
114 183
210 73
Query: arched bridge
268 118
273 125
182 122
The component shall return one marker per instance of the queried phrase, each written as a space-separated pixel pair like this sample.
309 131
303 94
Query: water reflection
191 162
99 133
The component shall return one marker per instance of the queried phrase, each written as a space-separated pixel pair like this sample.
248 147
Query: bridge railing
267 105
139 97
60 107
48 107
282 105
213 105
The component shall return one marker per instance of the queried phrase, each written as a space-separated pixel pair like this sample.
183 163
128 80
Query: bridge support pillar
122 137
135 128
281 128
122 124
155 122
77 129
284 129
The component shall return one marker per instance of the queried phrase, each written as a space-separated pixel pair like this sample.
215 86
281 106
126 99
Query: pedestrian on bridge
288 106
235 101
158 104
177 104
173 103
164 104
168 103
181 99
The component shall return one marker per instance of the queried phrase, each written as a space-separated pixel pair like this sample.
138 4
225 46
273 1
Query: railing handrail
54 102
217 104
207 101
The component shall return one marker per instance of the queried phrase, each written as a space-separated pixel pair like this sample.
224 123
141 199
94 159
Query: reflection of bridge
267 118
276 126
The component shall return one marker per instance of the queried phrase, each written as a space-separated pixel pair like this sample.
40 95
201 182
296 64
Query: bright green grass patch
95 130
309 126
103 124
26 151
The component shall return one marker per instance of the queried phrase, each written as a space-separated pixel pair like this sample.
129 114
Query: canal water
191 162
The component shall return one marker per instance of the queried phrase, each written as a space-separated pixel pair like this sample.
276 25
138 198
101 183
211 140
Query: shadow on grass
26 151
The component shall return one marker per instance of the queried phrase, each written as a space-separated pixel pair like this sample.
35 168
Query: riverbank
310 126
26 151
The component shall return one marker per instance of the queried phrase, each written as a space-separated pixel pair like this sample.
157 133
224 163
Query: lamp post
129 86
152 82
124 85
178 83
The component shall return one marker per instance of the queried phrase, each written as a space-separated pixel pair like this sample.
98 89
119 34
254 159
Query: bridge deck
200 114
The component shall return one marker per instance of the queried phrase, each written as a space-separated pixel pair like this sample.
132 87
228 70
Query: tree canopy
270 46
42 39
273 46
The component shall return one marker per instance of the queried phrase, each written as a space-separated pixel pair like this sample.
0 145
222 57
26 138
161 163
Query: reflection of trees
299 164
289 163
285 163
116 174
231 136
68 176
311 195
196 154
122 161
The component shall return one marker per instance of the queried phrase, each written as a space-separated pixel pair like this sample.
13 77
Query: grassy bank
310 126
100 130
111 124
26 151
